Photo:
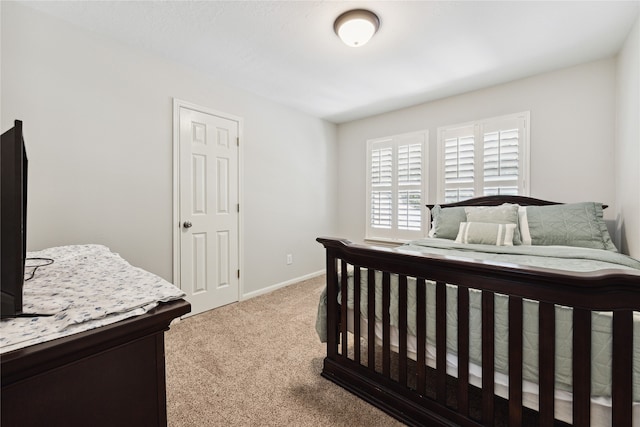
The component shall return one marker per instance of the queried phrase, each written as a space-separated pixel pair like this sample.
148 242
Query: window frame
394 234
478 127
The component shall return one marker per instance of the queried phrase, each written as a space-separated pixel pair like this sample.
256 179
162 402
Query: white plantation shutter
459 159
381 185
396 188
459 163
410 186
381 209
488 157
410 164
409 210
501 162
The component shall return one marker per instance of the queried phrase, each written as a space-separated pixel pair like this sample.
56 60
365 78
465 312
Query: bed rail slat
488 344
421 330
371 314
547 356
441 342
402 326
622 384
332 306
386 322
344 288
356 313
463 350
515 361
581 367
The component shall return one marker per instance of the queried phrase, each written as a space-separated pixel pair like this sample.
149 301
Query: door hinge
238 274
238 141
238 207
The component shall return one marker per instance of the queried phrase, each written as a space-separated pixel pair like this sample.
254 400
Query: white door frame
176 224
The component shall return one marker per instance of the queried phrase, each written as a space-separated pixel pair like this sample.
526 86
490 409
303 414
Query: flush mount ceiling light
356 27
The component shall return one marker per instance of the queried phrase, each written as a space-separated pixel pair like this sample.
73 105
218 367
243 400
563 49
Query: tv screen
13 219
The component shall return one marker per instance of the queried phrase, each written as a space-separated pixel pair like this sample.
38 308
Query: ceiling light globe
356 27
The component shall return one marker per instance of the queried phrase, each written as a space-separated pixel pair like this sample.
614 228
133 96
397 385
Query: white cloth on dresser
86 287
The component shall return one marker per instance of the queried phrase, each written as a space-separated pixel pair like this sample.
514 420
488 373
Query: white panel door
208 186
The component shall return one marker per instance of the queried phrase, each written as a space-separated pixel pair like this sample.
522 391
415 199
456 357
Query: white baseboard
281 285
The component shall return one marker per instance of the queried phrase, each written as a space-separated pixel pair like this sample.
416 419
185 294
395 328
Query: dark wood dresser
113 375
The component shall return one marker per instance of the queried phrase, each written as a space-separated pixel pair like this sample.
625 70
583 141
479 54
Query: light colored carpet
258 363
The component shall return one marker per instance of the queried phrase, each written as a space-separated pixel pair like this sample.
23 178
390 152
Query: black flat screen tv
13 217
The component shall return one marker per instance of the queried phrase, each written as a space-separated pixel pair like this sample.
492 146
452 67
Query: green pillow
446 221
486 233
574 224
507 213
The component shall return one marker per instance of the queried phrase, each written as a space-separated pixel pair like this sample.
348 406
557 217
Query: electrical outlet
289 259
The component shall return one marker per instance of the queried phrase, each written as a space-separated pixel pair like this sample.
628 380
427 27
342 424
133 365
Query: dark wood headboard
498 200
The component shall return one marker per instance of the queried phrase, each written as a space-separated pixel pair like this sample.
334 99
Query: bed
514 306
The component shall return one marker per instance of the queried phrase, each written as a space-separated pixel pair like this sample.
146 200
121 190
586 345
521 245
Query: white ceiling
287 51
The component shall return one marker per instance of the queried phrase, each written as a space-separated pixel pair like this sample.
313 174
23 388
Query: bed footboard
403 383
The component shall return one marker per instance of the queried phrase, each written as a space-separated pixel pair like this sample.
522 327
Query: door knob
187 224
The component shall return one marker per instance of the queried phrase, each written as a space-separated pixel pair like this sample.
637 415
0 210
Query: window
488 157
396 168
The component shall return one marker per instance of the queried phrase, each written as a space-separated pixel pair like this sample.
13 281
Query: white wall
572 137
628 143
98 127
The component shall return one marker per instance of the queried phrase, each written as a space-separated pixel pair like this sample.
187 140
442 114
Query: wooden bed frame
609 290
113 375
